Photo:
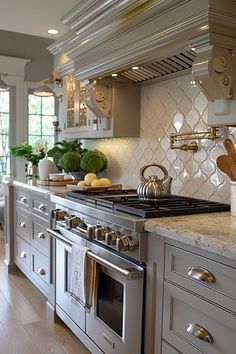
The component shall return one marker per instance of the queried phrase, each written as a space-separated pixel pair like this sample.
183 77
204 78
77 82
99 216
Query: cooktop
127 201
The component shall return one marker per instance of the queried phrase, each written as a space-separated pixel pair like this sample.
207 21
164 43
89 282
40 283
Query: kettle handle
164 170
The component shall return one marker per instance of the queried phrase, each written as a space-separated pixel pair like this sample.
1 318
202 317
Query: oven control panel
111 237
116 239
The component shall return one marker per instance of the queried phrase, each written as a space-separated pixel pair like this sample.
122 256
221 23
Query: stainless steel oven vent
160 68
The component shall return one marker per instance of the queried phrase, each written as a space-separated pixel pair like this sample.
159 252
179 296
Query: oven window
110 302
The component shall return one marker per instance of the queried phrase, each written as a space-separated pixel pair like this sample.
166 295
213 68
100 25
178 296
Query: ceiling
35 17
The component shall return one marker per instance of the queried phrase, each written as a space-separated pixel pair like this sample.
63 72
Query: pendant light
3 85
43 91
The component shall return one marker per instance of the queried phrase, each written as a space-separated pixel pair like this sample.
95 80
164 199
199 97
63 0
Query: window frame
12 126
30 92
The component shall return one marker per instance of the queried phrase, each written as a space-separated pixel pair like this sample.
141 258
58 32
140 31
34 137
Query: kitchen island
191 284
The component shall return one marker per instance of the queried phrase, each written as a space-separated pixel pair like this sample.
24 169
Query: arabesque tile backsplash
169 107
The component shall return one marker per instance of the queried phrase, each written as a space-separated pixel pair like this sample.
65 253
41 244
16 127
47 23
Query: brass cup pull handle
201 274
23 200
41 235
23 254
41 207
199 332
41 271
22 224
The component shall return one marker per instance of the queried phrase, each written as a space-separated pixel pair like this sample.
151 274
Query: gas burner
127 201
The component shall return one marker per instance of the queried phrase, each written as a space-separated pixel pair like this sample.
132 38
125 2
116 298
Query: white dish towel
82 276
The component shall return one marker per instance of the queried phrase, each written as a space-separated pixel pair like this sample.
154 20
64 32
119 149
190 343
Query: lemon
89 177
96 183
105 182
81 184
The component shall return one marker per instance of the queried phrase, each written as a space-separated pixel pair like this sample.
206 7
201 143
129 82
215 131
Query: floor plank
24 326
20 339
5 345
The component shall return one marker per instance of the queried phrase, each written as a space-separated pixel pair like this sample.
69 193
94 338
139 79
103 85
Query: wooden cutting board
94 189
58 183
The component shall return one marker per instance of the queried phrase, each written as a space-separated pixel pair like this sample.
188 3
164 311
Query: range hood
164 38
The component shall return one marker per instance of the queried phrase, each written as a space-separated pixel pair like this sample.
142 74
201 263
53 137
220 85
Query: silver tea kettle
154 188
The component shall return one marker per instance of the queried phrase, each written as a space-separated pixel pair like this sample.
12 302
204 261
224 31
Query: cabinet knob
199 332
201 274
23 200
22 224
23 254
41 235
41 271
41 207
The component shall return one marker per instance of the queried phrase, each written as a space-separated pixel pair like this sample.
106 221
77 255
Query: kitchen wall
169 107
25 46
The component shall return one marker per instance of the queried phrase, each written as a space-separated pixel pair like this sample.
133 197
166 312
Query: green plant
27 152
62 147
93 161
83 161
70 161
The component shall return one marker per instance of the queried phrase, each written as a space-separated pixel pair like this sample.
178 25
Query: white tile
162 104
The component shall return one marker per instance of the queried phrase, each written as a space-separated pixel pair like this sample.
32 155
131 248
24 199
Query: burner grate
127 201
171 207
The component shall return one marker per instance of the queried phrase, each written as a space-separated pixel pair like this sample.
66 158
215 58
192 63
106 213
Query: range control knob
59 214
91 231
72 221
125 243
110 237
100 233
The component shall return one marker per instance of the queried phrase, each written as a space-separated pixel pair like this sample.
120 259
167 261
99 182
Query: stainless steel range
111 224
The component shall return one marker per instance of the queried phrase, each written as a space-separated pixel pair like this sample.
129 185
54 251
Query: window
41 114
4 132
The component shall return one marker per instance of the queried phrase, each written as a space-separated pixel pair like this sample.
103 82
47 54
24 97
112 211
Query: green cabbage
93 161
70 161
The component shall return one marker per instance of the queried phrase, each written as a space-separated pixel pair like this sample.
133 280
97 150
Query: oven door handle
129 273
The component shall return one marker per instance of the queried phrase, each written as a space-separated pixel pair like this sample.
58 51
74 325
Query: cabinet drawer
22 220
39 235
181 309
22 199
167 349
40 207
221 289
22 255
40 270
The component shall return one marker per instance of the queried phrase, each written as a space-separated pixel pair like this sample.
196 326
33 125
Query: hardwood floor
24 327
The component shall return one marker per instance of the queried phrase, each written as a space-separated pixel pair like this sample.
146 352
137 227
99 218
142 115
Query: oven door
114 322
63 275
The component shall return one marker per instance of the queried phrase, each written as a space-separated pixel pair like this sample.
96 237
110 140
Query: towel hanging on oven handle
129 274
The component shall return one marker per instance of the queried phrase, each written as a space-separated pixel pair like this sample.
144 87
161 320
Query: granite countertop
213 232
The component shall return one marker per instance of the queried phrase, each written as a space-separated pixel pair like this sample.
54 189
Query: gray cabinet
191 300
167 349
194 325
31 243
